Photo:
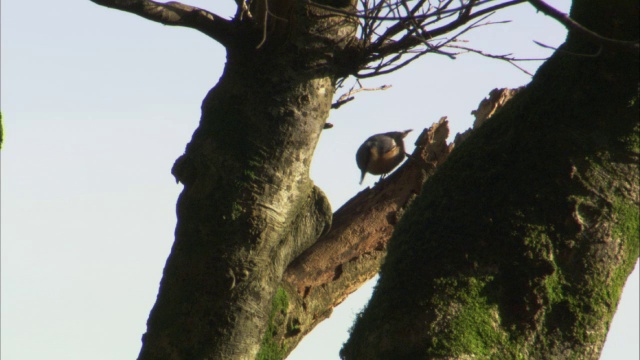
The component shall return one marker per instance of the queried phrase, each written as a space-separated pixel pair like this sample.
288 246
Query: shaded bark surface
519 245
353 250
248 206
249 209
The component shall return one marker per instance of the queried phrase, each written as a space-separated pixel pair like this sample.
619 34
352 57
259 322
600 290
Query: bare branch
506 57
402 25
264 24
464 17
241 10
410 28
439 13
385 68
596 54
572 25
349 96
177 14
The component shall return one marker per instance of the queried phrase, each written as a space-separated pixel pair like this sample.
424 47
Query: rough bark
351 253
248 206
353 250
519 246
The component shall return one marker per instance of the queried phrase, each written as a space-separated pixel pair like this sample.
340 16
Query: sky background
97 105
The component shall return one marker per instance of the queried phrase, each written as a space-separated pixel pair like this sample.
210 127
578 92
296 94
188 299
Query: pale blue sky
98 104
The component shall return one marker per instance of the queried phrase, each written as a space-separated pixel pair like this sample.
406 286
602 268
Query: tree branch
572 25
465 16
352 251
505 57
355 246
177 14
349 96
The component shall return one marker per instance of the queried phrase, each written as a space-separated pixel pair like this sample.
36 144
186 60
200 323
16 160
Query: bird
381 153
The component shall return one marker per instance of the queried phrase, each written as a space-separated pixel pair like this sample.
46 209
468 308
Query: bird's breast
383 163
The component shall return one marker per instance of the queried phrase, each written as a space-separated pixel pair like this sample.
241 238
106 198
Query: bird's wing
362 157
387 146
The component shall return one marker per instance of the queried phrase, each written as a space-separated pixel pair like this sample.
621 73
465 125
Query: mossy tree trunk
248 206
249 209
519 246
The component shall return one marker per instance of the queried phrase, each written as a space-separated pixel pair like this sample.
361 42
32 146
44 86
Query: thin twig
363 14
506 57
596 54
571 24
242 10
463 18
348 96
264 26
431 48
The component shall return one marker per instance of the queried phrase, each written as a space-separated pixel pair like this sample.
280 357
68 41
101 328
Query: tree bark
519 246
248 207
351 253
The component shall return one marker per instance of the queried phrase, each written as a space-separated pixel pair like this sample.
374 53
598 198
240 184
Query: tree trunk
525 260
351 252
248 206
519 246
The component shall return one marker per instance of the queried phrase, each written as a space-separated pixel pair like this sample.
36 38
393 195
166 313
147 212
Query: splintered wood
352 251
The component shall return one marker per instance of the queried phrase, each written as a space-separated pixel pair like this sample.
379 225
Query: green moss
522 209
632 140
236 211
606 288
249 174
554 288
592 302
293 327
269 348
474 327
627 230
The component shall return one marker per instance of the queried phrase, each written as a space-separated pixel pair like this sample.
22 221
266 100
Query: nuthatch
381 153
